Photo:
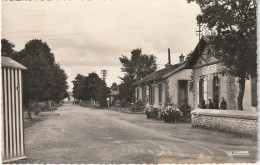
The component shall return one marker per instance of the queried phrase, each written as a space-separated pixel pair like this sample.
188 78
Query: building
172 83
12 110
70 99
210 83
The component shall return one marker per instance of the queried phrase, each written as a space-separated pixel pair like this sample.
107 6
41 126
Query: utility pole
104 74
199 23
199 20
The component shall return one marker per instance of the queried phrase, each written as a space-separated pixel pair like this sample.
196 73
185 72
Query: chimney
181 58
169 58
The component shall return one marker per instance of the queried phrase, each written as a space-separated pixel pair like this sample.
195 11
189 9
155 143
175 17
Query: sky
89 36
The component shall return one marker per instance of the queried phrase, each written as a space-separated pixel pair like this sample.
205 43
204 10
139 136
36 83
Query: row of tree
91 87
44 79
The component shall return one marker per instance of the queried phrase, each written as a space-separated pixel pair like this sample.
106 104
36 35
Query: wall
173 85
247 97
156 94
240 122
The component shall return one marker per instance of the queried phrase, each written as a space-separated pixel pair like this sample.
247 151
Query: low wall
241 122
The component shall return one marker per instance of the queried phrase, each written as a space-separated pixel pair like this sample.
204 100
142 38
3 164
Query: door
183 92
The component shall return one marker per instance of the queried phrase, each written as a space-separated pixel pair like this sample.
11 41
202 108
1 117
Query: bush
185 110
124 104
170 114
151 112
138 106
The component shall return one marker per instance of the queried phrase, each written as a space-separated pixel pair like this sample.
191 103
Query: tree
79 87
7 48
114 86
59 91
43 80
233 24
90 87
135 68
38 80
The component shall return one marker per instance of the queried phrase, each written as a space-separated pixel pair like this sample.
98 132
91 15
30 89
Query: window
160 93
216 92
254 92
150 95
201 89
137 95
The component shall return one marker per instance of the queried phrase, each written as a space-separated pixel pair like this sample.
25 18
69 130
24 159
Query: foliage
114 87
124 104
185 110
233 24
138 66
44 79
138 106
59 90
7 48
170 114
90 87
151 112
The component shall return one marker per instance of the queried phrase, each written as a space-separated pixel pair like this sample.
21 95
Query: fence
12 113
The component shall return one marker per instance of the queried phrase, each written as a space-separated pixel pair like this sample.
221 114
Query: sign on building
209 69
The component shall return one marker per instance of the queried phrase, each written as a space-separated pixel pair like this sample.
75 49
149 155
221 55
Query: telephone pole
104 74
199 20
199 23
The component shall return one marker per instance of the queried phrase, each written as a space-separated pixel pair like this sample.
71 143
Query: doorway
183 92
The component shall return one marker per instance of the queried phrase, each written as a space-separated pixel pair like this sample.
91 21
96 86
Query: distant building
169 84
113 94
209 83
69 99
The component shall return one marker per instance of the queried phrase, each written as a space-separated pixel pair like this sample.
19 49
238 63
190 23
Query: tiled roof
160 74
7 62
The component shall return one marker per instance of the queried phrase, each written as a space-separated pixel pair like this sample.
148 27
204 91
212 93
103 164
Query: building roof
160 74
7 62
195 54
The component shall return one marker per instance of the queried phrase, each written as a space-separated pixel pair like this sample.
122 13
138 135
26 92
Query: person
223 104
215 102
210 105
202 103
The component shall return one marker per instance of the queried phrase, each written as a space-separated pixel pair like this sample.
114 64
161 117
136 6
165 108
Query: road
75 134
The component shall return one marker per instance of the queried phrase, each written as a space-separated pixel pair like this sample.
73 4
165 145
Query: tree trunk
240 96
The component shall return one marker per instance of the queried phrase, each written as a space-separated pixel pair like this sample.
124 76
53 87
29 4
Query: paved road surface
75 134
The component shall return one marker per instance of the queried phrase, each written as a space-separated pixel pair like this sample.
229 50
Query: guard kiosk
11 110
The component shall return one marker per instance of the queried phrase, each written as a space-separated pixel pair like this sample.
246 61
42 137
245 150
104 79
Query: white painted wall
173 85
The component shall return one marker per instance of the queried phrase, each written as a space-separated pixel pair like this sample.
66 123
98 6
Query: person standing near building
210 105
202 104
216 103
223 104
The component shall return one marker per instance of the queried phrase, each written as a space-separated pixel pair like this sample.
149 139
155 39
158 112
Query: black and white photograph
129 82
